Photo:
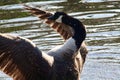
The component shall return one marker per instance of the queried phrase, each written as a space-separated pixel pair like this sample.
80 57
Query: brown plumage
64 30
22 60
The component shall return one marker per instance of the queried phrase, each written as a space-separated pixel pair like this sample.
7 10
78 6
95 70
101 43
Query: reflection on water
101 18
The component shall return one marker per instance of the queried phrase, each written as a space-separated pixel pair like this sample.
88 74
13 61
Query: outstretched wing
64 30
21 59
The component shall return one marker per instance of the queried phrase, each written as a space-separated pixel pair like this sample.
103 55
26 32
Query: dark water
101 18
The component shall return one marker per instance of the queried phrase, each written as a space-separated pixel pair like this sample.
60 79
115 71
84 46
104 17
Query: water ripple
101 18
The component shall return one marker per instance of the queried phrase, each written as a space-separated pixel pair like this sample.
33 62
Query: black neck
79 30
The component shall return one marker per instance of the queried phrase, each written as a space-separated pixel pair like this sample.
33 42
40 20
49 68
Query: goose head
58 17
78 29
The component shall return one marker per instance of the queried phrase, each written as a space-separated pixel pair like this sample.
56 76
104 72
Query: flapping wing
21 59
64 30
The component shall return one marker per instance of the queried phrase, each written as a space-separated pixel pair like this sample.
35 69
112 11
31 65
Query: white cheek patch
59 19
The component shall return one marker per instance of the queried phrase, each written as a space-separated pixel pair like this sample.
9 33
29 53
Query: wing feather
64 30
21 59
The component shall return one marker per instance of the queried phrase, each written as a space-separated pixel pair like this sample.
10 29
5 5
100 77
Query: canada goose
22 60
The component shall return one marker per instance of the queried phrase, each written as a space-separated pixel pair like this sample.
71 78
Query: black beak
51 18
